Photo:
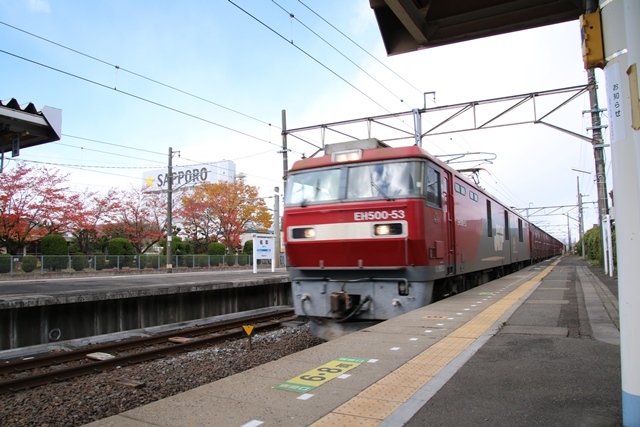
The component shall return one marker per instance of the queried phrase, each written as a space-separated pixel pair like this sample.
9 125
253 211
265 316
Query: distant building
189 177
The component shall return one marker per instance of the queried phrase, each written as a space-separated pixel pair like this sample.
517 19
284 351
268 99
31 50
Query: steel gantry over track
462 117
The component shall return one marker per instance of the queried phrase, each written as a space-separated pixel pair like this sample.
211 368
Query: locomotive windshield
313 186
388 181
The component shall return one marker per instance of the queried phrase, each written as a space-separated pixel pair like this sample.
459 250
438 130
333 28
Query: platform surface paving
521 350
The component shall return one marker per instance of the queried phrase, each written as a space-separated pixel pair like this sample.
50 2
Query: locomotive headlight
303 233
387 229
346 156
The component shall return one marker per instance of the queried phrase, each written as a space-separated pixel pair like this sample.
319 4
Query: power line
102 152
175 110
337 50
310 56
113 145
363 49
117 67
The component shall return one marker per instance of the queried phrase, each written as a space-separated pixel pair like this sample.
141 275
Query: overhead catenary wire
337 50
311 56
362 48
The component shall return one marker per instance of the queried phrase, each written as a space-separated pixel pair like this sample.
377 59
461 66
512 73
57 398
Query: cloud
39 6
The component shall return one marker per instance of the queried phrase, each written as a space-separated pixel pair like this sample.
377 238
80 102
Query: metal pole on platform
622 52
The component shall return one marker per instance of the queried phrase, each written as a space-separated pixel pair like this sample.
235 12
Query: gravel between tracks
85 399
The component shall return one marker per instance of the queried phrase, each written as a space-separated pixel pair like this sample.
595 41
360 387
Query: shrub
248 247
230 260
100 261
29 263
243 259
216 248
54 252
5 263
78 261
121 252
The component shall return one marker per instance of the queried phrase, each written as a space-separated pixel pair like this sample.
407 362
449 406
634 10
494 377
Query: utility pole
169 210
569 232
580 217
276 227
285 151
598 147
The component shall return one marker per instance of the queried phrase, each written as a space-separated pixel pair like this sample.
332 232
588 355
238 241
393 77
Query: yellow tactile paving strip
378 401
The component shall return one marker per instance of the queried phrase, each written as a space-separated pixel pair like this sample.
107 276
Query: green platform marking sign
320 375
485 293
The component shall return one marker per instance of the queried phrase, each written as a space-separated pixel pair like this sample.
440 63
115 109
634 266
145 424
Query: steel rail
79 354
126 360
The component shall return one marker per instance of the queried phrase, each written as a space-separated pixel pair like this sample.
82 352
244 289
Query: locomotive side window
432 189
460 189
507 232
520 231
313 186
473 196
384 180
489 222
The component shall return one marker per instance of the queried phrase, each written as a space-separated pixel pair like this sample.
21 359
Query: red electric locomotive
372 232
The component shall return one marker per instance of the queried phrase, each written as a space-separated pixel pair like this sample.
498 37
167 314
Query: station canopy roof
409 25
27 126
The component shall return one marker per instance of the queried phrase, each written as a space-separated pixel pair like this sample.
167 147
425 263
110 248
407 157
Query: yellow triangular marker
247 329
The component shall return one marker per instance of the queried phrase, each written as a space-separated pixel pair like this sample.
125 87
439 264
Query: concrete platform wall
27 326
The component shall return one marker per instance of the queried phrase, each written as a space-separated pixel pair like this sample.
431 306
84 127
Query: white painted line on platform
413 339
344 376
372 360
395 348
253 423
305 396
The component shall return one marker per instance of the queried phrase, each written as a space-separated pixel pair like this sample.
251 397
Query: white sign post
263 249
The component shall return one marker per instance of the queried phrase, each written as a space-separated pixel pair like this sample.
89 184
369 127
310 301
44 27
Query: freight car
372 232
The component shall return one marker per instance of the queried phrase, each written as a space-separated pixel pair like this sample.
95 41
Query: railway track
213 333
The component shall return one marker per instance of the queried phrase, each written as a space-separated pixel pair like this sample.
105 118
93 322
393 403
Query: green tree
248 247
121 252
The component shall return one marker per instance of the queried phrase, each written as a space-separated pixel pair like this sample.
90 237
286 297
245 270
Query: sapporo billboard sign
190 176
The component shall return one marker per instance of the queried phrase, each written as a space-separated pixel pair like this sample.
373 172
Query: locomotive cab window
388 180
313 186
432 187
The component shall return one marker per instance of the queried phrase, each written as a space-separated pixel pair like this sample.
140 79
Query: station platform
537 347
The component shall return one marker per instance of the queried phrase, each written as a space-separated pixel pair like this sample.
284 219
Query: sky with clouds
210 79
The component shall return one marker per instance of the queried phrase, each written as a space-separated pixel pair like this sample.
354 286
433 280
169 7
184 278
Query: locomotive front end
355 236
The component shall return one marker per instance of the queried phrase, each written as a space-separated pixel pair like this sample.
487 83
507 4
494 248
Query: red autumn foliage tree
223 211
97 210
34 202
140 217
